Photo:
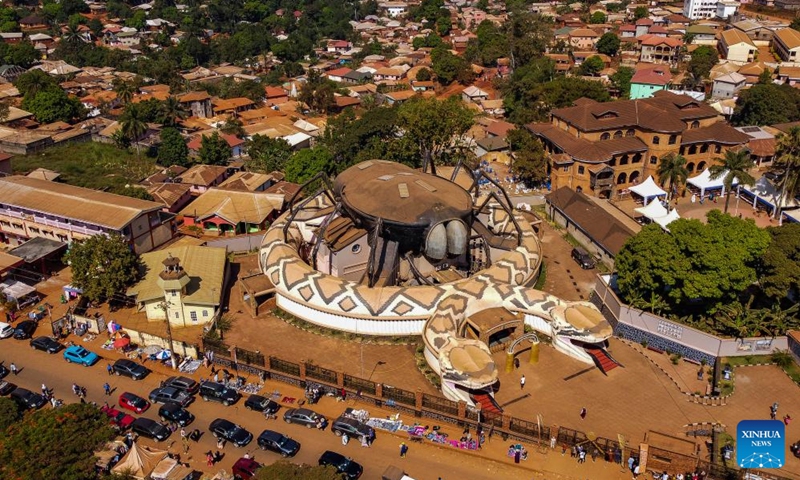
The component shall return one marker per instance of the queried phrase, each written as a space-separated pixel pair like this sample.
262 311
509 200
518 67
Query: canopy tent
139 461
667 219
170 469
15 290
648 190
791 217
652 211
704 181
765 193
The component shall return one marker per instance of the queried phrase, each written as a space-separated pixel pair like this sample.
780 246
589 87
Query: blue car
78 354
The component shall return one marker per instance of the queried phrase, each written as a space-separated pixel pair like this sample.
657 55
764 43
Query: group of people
518 452
773 414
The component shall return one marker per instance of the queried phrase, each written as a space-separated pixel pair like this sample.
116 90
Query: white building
697 9
727 9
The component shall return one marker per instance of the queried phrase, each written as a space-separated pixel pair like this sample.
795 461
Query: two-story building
198 104
583 38
657 49
604 148
735 46
32 207
787 44
647 81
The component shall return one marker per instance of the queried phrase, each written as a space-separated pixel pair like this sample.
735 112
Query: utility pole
165 306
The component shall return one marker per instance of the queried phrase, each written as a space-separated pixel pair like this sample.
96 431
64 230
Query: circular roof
399 194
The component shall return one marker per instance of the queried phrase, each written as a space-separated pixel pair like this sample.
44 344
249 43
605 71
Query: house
32 207
627 31
493 107
235 143
473 94
642 26
394 9
735 46
338 46
752 72
232 106
646 82
728 86
184 284
33 22
698 9
174 196
337 74
789 75
231 212
420 86
663 50
493 149
702 34
197 103
757 31
393 98
341 102
275 95
11 37
249 181
202 177
562 61
356 77
388 74
762 145
5 164
583 38
727 9
603 148
787 44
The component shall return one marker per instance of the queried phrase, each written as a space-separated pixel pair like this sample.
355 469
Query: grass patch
747 360
571 240
726 387
540 281
348 336
793 370
92 165
424 368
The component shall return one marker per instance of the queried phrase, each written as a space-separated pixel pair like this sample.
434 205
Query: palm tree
788 162
125 91
133 125
171 112
233 126
672 169
72 35
738 319
736 164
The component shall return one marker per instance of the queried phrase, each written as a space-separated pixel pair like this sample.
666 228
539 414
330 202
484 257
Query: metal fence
218 347
440 404
253 358
359 384
284 366
399 395
318 373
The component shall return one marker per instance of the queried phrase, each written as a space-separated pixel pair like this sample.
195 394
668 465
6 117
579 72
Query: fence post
506 421
340 379
232 351
379 390
303 370
418 400
462 409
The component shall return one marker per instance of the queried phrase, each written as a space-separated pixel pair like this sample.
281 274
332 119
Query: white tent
704 181
139 461
765 192
792 217
648 190
667 219
15 290
652 211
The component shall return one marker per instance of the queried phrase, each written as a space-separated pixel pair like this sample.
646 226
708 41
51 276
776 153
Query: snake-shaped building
389 250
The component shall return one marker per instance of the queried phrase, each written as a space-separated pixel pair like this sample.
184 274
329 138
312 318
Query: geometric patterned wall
656 341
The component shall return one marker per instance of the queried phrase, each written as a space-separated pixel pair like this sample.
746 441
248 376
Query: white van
6 330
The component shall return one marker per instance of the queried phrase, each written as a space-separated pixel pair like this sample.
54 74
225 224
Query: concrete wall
145 339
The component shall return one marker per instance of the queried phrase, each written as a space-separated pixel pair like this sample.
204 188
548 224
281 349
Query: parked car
344 465
78 354
6 388
218 393
6 330
150 429
245 468
25 329
172 412
133 402
304 416
182 383
27 399
170 394
352 428
129 368
278 442
261 404
46 344
119 419
231 432
3 371
583 258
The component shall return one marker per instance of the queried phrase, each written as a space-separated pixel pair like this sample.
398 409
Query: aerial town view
399 240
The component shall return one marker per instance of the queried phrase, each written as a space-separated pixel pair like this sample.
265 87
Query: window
177 315
637 158
695 124
692 149
356 248
205 313
653 160
704 148
717 148
690 167
683 150
623 160
174 293
622 178
565 169
580 170
613 162
656 140
618 134
193 314
630 133
605 136
673 139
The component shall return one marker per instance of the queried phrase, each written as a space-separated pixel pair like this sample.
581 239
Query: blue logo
760 444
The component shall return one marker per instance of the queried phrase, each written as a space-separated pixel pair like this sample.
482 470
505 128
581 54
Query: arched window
623 177
579 189
701 166
624 160
656 140
690 167
612 162
683 150
692 149
637 158
605 136
580 169
695 124
618 134
653 160
717 148
673 139
630 133
634 177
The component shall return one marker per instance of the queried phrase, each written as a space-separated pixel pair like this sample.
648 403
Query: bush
782 358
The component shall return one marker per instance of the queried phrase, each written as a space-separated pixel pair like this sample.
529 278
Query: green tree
443 26
103 266
124 90
735 164
133 125
9 414
233 126
449 68
34 81
53 105
529 161
787 165
597 18
672 171
54 443
640 12
284 470
214 150
267 154
428 41
780 265
306 163
765 77
491 44
173 149
767 104
317 93
608 44
591 66
171 112
703 60
424 75
621 79
795 24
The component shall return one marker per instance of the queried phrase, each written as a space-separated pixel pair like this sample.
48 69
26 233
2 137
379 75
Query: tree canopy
703 59
608 44
781 263
267 154
450 68
529 160
173 149
214 150
103 266
306 163
767 104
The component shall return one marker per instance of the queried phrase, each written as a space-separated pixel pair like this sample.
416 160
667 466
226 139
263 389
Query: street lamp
379 362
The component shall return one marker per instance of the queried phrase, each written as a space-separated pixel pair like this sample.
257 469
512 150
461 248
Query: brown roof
599 225
584 32
500 128
194 97
234 206
246 181
762 147
734 36
202 174
231 103
651 77
789 37
287 189
168 193
663 112
585 150
719 132
785 127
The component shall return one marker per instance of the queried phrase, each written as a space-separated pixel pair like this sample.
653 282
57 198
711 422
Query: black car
172 412
3 370
150 429
218 393
261 404
344 465
170 395
352 428
129 368
46 344
304 416
182 383
27 399
25 330
6 388
231 432
278 442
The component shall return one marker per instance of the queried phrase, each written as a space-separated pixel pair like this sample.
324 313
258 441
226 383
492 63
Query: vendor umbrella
163 355
122 342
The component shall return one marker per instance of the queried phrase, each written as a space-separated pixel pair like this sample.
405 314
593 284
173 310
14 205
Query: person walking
403 450
582 456
522 382
107 389
583 413
553 442
631 461
210 459
13 368
109 369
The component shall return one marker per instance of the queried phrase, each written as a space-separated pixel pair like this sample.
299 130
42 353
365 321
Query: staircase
488 404
604 361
